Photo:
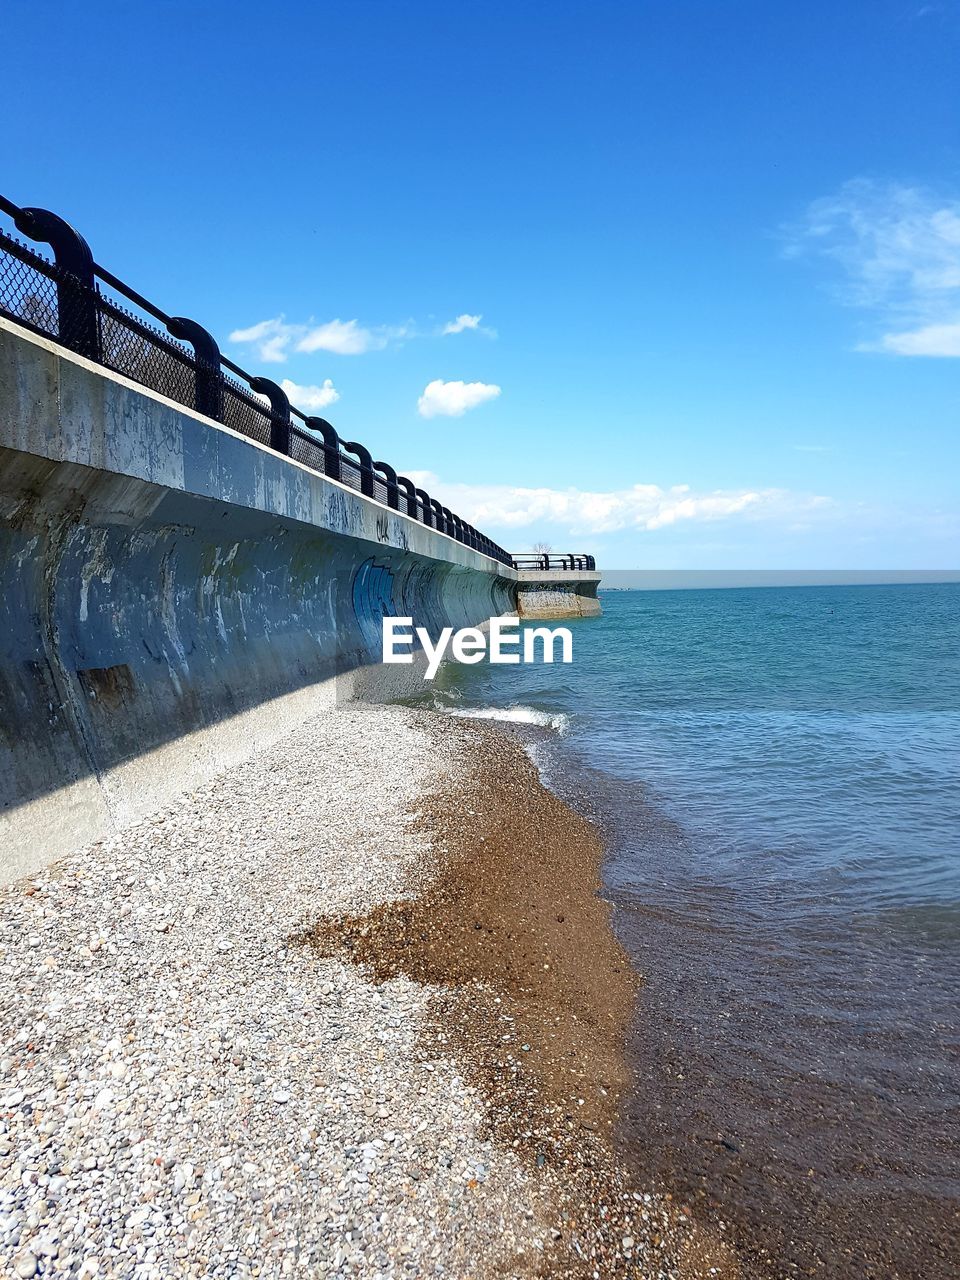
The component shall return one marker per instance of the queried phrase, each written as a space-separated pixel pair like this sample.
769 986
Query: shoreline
532 992
354 1007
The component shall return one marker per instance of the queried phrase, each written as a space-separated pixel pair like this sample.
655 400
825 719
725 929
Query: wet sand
538 996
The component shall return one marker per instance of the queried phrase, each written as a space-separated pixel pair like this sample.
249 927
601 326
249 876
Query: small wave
516 715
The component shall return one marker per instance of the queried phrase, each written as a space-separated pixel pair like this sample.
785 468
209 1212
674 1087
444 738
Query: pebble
164 1111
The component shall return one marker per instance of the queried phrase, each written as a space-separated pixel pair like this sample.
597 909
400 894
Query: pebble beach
210 1066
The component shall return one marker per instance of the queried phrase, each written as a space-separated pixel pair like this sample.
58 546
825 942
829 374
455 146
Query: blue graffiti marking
373 601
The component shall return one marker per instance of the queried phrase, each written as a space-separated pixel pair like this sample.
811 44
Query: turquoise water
811 736
777 772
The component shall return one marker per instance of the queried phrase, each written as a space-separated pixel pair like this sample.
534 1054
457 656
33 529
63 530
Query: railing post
279 413
449 527
409 489
331 446
393 493
426 503
439 518
366 466
208 392
77 319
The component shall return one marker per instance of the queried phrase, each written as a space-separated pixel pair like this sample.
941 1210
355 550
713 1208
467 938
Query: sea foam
515 715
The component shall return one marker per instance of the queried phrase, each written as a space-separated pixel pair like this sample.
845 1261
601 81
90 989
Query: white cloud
311 397
931 340
465 322
461 323
899 250
453 399
274 339
642 506
342 337
270 338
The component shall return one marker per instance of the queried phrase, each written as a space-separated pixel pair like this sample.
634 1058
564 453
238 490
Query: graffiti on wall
373 601
399 537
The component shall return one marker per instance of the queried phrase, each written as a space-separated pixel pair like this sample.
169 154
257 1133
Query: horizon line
725 579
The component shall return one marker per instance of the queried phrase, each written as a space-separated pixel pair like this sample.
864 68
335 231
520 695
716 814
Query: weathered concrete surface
172 595
559 593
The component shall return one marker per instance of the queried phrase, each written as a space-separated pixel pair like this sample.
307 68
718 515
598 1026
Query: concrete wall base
571 594
97 806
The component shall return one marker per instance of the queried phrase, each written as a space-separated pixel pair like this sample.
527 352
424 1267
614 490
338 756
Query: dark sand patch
537 999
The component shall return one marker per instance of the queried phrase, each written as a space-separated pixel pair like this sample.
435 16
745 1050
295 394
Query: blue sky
714 249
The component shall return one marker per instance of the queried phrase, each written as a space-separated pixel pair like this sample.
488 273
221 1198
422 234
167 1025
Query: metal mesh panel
143 353
28 289
37 293
305 449
243 413
350 473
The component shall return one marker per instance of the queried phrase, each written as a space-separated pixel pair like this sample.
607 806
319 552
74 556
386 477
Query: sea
776 772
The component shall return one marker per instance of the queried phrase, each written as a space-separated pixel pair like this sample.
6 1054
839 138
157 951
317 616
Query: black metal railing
547 561
84 307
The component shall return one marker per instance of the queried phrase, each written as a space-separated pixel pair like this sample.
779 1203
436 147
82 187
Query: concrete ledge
58 405
558 593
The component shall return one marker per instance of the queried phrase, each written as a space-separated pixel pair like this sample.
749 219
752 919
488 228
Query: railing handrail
81 307
552 561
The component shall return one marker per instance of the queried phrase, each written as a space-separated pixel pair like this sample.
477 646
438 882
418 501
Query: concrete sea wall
172 594
557 594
